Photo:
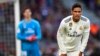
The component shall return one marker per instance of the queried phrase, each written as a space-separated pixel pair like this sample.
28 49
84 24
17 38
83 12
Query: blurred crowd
49 13
93 5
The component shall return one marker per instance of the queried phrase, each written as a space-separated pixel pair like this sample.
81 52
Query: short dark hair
25 8
76 5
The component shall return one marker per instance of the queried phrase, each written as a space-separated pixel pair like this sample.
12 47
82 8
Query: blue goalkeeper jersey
26 29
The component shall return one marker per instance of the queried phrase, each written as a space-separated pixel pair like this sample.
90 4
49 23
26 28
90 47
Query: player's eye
75 11
79 11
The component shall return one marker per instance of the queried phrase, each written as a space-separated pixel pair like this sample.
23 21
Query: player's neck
28 18
76 21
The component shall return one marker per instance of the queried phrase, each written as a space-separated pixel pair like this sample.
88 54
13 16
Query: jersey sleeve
20 32
60 37
85 36
38 31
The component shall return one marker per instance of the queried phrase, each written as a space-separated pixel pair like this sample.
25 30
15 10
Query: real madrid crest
81 28
70 24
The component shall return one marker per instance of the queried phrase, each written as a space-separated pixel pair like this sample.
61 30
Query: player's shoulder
67 19
85 19
21 22
35 21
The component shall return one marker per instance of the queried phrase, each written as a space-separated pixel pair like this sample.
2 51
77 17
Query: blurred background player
73 33
29 32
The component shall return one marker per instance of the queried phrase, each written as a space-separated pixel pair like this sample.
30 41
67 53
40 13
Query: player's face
27 13
76 12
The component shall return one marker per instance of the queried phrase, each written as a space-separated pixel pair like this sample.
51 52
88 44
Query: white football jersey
72 36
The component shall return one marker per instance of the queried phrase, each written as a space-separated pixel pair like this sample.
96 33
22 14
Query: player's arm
60 36
85 36
38 31
20 32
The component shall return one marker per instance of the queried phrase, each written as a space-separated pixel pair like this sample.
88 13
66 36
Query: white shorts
73 53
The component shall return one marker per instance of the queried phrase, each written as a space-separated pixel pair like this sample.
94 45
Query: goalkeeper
29 32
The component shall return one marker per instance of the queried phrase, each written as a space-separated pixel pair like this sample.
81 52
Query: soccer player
29 33
73 33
